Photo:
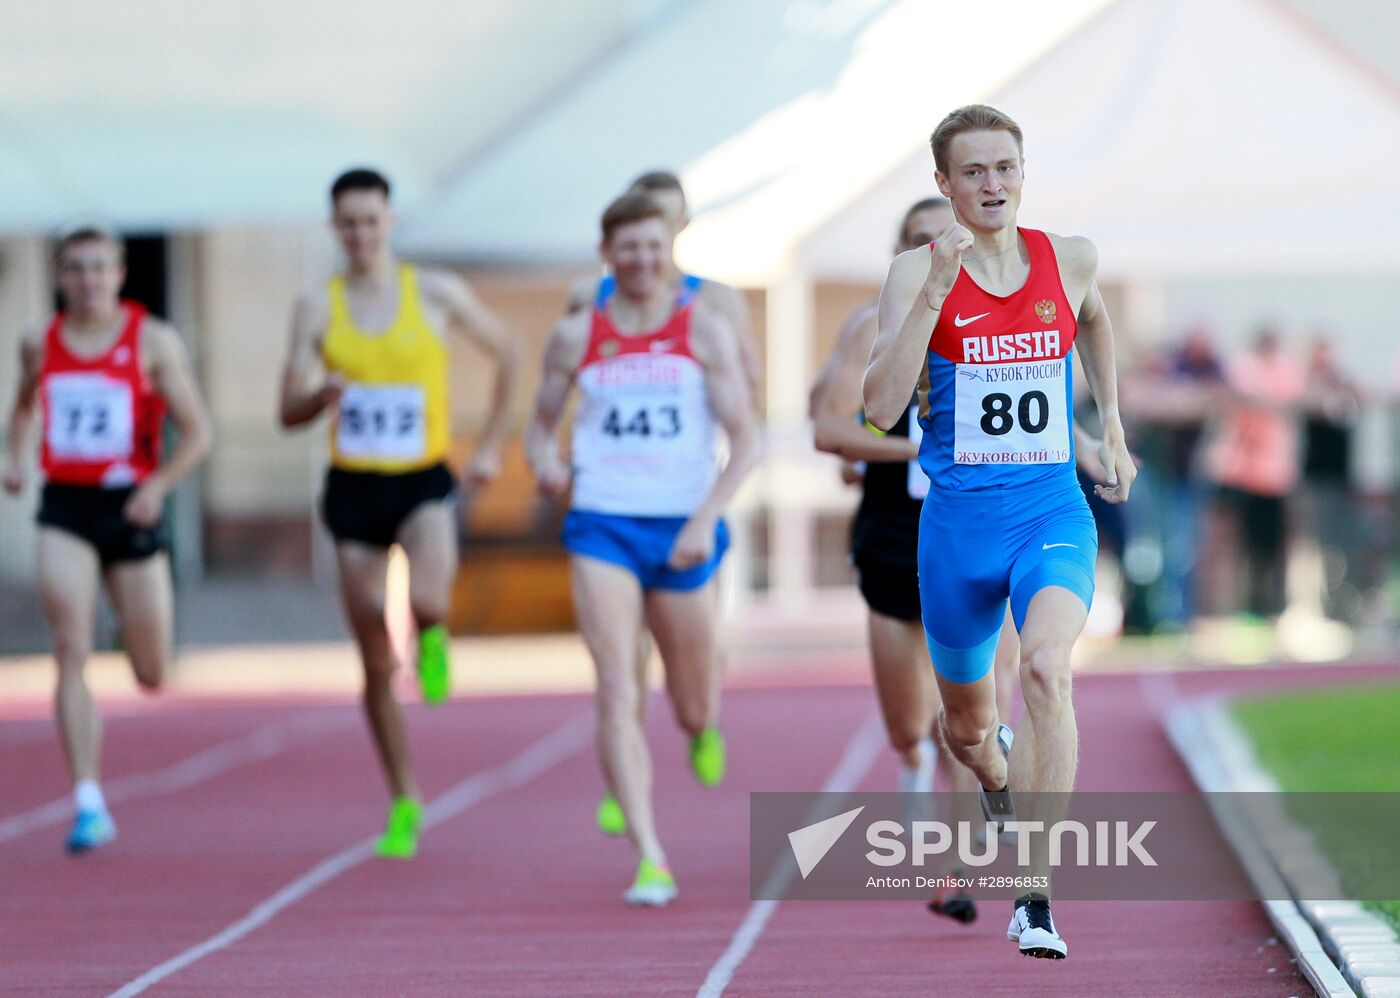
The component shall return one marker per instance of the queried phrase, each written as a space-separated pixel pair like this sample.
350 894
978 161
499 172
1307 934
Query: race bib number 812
382 421
1011 413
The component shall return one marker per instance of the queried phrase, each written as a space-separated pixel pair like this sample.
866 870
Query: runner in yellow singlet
377 336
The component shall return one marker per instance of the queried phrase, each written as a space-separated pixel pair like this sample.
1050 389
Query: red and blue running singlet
997 389
644 440
102 416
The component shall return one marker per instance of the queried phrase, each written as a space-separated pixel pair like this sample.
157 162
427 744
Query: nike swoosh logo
1047 547
959 321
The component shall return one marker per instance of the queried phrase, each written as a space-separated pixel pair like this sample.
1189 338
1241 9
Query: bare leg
68 582
644 647
684 626
1006 669
142 593
968 722
608 603
429 540
904 683
1046 755
362 575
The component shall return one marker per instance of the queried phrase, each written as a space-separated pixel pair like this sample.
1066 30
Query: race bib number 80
382 421
1011 413
90 417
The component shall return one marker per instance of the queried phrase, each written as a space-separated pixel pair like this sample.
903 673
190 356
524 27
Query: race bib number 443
1011 413
382 421
90 417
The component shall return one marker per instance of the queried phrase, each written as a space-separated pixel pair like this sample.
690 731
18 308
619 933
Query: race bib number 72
382 421
1011 413
90 417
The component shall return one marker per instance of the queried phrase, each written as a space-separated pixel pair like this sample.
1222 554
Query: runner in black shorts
368 507
96 516
101 376
370 348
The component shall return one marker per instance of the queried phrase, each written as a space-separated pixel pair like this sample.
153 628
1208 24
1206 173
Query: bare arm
299 403
913 295
563 352
23 411
835 399
1095 342
171 372
729 400
484 328
730 305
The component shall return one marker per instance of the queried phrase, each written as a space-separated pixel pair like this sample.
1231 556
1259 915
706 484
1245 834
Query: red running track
518 895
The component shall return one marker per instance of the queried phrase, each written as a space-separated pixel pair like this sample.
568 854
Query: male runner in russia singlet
987 321
644 530
664 187
378 332
103 373
884 550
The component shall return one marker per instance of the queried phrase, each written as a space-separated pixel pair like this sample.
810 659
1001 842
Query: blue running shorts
640 544
977 549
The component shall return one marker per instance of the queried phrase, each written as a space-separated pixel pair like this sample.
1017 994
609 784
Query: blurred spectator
1331 406
1254 459
1196 379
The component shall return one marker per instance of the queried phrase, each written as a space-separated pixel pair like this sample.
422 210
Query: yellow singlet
393 417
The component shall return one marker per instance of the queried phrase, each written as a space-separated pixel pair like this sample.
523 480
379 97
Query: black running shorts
889 587
368 507
94 514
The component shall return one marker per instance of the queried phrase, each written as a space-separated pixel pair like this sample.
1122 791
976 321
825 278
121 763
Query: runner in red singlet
102 374
986 322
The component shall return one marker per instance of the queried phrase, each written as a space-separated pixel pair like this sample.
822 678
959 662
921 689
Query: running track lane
1119 948
523 895
519 896
187 865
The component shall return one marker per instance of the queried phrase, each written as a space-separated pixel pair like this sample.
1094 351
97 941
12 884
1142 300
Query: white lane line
537 759
861 752
264 743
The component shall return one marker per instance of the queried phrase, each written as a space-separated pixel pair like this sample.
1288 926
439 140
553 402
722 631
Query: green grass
1330 741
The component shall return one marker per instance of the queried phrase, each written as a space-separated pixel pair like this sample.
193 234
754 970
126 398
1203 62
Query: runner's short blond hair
972 118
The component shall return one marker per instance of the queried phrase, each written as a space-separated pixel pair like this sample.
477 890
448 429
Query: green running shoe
434 672
611 820
400 838
654 886
707 757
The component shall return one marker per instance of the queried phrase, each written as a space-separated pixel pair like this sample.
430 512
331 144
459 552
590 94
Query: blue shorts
642 545
977 549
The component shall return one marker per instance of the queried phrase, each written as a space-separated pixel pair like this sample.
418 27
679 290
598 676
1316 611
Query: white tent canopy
1185 137
1147 121
699 76
773 113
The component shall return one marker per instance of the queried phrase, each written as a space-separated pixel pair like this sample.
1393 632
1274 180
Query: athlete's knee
429 608
365 612
905 735
969 725
1045 675
150 669
692 714
71 649
617 696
